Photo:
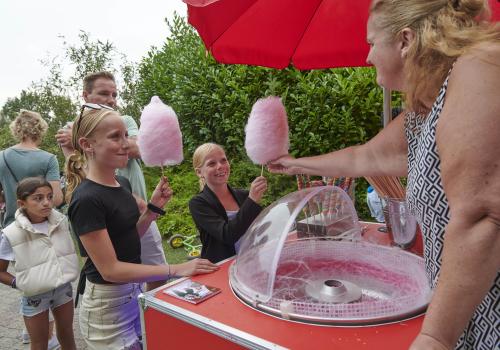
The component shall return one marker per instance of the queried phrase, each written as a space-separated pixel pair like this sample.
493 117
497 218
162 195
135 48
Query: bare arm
385 154
101 252
468 139
5 277
159 198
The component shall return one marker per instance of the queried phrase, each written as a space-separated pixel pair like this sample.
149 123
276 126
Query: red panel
336 37
166 332
213 20
267 34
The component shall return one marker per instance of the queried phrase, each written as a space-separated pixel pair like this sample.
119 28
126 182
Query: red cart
224 322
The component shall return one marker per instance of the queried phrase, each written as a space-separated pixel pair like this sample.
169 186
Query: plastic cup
403 224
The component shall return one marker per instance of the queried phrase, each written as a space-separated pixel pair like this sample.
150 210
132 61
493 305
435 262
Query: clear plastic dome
303 259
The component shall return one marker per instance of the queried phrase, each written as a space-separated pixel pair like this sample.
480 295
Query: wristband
155 209
13 283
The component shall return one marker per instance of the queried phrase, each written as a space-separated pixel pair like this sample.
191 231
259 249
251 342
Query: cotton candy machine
303 259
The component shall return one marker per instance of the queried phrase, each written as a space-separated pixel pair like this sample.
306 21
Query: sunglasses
95 106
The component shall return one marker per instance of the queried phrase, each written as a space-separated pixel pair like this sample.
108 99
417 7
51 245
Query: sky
30 30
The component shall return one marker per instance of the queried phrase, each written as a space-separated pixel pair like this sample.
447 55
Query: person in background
446 59
26 159
40 244
100 88
106 219
221 214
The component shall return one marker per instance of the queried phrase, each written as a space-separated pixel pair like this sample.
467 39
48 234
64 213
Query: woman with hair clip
445 57
106 219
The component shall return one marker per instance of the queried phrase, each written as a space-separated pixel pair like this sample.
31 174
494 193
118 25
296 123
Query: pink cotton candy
160 138
267 131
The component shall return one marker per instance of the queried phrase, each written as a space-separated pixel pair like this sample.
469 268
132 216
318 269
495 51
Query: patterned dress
428 202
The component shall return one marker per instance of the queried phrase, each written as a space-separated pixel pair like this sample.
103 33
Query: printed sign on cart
191 291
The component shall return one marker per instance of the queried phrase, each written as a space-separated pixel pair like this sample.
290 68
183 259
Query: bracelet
13 283
155 209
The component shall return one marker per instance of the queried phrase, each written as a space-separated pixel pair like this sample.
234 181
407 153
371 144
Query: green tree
57 96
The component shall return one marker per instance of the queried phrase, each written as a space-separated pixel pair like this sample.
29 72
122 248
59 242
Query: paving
11 322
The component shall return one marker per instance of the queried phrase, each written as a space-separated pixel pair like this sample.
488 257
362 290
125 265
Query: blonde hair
444 30
76 163
199 156
28 125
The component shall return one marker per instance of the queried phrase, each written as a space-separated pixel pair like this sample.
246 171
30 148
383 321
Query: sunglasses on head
95 106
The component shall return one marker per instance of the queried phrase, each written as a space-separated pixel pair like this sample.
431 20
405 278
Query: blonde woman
26 159
446 59
106 219
221 214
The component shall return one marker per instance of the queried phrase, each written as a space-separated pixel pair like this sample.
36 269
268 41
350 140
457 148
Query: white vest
43 262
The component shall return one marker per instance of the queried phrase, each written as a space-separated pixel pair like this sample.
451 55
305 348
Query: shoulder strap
8 167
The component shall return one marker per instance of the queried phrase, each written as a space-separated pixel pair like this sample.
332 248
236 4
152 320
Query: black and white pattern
428 202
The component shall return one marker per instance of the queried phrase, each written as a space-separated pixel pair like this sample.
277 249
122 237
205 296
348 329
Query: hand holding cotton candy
159 138
267 131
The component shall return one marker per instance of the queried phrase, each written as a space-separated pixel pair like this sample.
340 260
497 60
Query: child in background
40 244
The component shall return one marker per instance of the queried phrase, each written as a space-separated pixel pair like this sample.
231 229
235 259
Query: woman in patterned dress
446 59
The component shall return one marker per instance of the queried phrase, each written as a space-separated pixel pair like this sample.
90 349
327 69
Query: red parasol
272 33
310 34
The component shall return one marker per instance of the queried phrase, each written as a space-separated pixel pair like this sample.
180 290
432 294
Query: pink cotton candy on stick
267 131
159 138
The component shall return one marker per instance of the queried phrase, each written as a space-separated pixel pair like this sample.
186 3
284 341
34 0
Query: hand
426 342
63 135
193 267
284 165
257 189
162 193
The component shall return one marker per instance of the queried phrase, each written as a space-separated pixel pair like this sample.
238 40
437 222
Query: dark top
218 234
95 207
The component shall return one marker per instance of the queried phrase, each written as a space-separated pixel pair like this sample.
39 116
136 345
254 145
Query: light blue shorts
35 304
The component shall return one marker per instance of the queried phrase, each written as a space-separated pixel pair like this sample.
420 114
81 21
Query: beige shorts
109 316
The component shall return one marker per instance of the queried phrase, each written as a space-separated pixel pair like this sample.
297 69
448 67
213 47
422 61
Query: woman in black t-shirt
106 219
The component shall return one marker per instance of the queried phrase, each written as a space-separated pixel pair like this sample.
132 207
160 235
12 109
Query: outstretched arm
100 250
385 154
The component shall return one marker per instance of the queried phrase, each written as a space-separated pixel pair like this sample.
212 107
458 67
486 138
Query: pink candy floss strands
159 138
267 131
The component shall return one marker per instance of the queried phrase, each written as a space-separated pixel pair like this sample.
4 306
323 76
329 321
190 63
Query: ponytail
75 172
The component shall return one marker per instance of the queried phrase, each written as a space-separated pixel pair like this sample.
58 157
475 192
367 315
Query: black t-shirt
95 207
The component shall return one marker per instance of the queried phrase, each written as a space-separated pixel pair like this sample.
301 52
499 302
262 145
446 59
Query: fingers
204 266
